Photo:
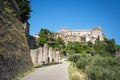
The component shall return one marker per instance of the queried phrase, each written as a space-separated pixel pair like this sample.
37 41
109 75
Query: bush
104 68
70 58
74 57
99 68
83 61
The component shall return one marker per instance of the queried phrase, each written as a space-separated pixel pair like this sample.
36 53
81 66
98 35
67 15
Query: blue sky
76 14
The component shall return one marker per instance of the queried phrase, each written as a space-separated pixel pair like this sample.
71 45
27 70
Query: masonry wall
44 55
14 51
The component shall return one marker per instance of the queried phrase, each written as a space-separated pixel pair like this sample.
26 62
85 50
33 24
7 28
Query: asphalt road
54 72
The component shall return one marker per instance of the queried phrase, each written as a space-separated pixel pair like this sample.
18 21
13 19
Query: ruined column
57 58
50 54
40 56
45 51
53 56
34 56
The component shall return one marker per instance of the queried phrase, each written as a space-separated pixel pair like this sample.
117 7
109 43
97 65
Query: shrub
104 68
70 58
74 57
83 61
99 68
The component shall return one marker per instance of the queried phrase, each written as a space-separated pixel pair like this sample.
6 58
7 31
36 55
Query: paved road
54 72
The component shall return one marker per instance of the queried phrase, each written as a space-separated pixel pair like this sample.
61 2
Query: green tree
59 43
90 44
98 39
25 9
77 47
100 47
110 46
46 36
117 47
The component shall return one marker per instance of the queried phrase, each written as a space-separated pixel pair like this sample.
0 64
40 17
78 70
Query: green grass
76 74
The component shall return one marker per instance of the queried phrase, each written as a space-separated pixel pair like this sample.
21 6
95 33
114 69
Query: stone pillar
40 56
50 54
53 56
45 51
34 56
57 58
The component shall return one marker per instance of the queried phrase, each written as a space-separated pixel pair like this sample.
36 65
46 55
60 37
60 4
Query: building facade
80 35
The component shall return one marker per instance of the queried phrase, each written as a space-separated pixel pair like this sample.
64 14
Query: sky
76 14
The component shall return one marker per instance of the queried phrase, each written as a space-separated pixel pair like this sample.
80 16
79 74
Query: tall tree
25 9
100 47
117 47
45 36
59 43
110 46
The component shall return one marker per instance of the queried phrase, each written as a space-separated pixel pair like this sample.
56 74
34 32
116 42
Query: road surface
54 72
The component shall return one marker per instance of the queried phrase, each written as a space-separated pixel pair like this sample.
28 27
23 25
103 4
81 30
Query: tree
110 46
59 43
90 44
25 9
78 47
98 39
117 47
100 47
45 36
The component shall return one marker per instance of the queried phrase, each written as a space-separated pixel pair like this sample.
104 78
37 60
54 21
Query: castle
81 35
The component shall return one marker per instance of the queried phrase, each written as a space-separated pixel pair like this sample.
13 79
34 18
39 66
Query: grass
21 75
76 74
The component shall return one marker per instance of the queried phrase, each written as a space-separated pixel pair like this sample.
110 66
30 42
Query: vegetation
98 67
46 36
104 68
103 48
97 60
76 74
25 9
79 47
22 74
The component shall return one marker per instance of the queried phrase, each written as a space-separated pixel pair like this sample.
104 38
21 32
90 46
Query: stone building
80 35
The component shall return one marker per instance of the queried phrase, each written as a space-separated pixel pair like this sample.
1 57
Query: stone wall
118 54
44 55
14 51
32 42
